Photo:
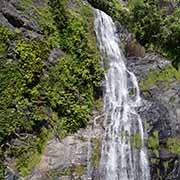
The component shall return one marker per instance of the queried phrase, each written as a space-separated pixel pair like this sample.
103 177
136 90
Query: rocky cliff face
16 15
160 112
77 156
40 51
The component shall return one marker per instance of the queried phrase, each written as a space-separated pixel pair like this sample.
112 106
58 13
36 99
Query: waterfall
123 155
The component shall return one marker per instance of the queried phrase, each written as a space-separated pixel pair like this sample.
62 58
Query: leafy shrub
77 74
20 96
145 23
145 19
173 145
114 9
5 37
36 99
170 35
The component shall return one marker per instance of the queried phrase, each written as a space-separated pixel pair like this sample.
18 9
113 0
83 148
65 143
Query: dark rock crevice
13 20
12 17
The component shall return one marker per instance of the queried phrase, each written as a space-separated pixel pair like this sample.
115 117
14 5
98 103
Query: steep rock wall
50 75
74 156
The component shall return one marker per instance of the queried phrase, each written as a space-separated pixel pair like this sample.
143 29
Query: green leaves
20 91
152 28
59 13
145 22
145 19
2 170
5 37
113 8
35 98
170 35
73 80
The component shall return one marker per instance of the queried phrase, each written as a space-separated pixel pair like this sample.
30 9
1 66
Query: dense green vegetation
153 27
23 109
77 171
79 72
166 75
173 145
96 155
38 98
153 143
155 30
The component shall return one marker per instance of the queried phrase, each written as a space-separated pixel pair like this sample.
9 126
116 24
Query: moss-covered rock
134 49
136 141
173 145
96 152
39 97
71 172
153 140
166 76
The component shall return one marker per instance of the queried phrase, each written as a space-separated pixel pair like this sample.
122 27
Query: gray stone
13 18
160 110
54 55
165 155
141 66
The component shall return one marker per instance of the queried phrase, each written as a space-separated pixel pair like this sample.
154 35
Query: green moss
69 171
79 170
99 104
165 75
122 135
29 154
165 164
173 145
156 152
66 172
154 161
5 37
153 141
136 141
159 174
172 99
34 96
81 138
96 152
131 92
147 125
2 170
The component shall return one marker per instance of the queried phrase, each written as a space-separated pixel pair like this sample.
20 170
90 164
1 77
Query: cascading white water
119 160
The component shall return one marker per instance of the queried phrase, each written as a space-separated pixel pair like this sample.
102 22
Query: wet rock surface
160 114
141 66
75 157
72 158
14 18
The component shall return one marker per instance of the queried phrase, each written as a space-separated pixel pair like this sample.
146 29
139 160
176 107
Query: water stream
123 154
